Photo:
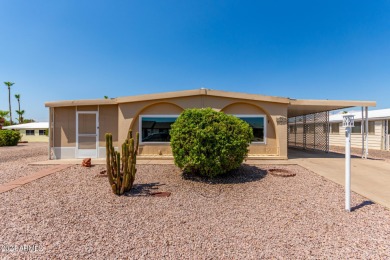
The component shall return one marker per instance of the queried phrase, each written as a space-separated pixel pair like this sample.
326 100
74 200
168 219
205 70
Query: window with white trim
30 132
357 129
155 128
258 124
42 132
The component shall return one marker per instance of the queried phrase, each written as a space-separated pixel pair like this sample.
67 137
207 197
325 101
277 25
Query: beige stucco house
78 127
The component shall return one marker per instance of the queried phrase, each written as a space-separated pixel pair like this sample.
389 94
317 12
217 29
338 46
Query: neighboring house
78 127
378 129
32 132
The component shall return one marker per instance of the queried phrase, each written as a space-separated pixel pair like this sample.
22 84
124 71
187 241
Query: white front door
87 134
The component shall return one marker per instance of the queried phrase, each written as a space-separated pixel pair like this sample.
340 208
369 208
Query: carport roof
300 107
296 107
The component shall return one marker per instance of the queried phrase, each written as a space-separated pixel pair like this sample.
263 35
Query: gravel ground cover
247 215
14 160
372 153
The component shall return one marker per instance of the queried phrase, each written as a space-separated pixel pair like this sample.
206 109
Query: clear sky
79 49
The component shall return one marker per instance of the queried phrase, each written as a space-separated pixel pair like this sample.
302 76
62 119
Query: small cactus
121 170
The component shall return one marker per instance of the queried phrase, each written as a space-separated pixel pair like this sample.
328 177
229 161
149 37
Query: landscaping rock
86 162
281 172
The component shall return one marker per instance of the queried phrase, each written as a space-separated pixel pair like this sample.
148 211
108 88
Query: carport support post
348 123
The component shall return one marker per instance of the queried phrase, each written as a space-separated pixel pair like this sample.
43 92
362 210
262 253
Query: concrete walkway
369 177
32 177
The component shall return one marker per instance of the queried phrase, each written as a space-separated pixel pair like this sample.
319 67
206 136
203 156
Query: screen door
87 134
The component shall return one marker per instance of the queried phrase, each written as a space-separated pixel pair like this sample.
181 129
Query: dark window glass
257 124
335 128
30 132
371 127
41 132
357 129
156 129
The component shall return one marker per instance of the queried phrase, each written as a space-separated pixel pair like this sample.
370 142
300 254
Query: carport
308 123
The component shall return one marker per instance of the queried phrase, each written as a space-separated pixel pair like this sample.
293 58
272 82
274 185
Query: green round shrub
208 142
9 137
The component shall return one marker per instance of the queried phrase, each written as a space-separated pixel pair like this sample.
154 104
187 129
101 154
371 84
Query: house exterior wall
118 119
34 138
276 139
64 128
374 140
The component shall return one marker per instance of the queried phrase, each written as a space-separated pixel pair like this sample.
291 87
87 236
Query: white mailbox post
348 123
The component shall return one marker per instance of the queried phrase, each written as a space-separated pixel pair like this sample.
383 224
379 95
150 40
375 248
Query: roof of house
296 107
35 125
372 114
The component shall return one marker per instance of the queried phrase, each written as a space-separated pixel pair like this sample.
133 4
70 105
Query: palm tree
20 113
9 84
17 96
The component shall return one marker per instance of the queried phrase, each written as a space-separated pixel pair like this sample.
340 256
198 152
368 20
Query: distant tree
17 96
105 97
20 113
25 121
9 85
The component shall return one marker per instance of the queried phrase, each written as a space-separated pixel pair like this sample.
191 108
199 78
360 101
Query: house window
258 125
41 132
155 129
335 128
357 129
30 132
371 127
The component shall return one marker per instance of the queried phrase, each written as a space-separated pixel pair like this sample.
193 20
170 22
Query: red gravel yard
248 215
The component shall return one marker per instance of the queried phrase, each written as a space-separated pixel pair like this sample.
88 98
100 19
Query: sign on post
348 123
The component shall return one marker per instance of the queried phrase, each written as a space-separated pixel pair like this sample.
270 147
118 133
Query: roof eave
88 102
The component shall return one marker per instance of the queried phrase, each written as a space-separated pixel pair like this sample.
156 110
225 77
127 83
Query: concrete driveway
369 177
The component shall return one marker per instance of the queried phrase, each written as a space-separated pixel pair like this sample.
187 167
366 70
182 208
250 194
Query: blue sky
61 50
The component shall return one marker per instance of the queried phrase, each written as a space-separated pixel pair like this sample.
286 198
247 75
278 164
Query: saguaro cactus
121 170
